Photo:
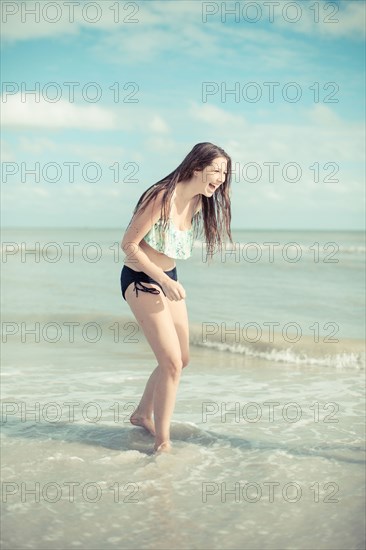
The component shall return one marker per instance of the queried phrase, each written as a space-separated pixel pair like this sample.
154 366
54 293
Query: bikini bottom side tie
139 286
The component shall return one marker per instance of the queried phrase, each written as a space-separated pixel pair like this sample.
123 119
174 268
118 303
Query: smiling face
211 177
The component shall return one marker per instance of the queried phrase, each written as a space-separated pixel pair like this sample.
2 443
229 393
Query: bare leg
165 327
164 401
142 416
160 390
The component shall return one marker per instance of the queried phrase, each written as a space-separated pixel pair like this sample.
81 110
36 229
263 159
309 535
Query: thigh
178 311
155 320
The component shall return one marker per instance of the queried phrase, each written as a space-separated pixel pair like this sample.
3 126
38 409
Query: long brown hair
215 216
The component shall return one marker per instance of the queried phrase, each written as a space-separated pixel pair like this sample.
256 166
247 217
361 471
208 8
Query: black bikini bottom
129 276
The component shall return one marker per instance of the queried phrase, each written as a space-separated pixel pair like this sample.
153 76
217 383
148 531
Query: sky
100 100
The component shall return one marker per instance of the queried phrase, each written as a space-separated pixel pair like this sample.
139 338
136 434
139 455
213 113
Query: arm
139 226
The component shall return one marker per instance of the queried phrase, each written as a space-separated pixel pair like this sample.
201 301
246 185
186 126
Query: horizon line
232 228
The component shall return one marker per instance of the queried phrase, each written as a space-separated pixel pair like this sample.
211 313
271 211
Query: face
212 176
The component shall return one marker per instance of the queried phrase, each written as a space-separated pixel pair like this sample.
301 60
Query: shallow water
264 456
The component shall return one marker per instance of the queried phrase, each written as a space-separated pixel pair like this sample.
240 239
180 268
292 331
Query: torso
181 221
161 260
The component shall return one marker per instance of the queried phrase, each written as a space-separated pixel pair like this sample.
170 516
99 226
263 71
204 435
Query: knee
185 361
173 366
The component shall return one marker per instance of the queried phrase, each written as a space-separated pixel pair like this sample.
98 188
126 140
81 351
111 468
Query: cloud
158 125
41 192
7 152
215 117
334 20
318 133
157 26
62 114
326 149
37 146
271 195
63 206
29 20
49 150
321 115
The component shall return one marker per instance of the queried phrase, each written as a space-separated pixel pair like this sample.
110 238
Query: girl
198 190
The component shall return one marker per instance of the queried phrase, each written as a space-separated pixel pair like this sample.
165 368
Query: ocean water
268 429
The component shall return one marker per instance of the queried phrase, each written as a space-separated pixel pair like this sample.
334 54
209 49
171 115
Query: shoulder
152 201
158 195
149 210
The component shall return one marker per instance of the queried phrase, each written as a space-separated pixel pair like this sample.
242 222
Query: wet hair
215 216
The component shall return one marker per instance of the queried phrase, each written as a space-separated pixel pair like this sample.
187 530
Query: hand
173 289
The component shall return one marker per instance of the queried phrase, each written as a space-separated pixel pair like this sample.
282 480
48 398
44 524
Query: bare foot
163 447
143 421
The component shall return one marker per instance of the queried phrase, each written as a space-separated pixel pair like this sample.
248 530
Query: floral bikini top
173 242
